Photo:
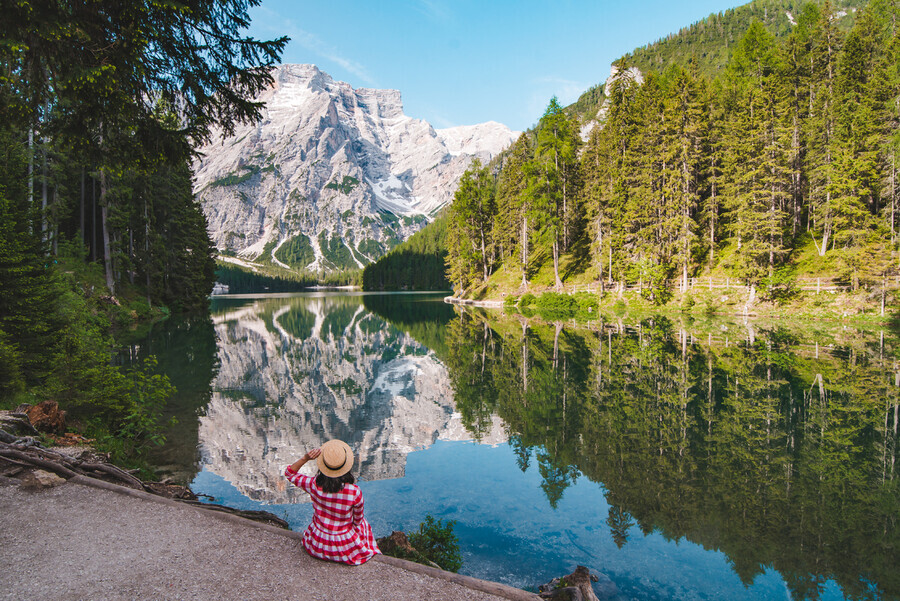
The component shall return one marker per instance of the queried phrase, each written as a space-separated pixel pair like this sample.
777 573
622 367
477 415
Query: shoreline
835 307
53 474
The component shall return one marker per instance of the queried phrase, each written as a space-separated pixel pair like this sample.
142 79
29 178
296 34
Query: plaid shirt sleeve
298 479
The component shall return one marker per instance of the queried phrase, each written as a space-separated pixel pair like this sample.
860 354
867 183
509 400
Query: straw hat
336 458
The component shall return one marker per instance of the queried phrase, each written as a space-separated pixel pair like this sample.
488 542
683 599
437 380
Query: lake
678 458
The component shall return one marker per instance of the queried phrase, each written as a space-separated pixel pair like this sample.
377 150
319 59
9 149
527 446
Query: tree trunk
30 167
484 259
44 178
600 255
147 250
524 253
81 205
107 255
558 284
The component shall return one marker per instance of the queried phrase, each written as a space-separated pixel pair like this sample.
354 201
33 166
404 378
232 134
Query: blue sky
461 62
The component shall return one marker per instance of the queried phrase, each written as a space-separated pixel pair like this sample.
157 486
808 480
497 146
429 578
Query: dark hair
333 485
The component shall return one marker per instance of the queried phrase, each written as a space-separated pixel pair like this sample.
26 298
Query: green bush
687 303
553 305
587 302
511 300
780 286
437 542
527 300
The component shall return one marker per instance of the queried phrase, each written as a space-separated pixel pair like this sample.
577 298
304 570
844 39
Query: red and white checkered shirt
339 531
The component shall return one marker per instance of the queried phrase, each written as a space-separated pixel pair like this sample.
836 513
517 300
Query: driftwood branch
51 466
30 455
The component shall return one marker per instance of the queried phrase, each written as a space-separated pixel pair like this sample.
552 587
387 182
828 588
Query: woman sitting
338 531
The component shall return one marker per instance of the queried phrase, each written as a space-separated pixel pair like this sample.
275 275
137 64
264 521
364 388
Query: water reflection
295 372
776 447
778 453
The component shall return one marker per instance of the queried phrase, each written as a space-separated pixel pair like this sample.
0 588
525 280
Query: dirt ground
83 542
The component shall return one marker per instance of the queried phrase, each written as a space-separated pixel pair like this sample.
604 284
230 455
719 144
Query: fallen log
50 466
33 456
258 516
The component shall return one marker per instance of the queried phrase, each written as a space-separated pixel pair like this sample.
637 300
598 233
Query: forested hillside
785 163
708 43
101 105
416 264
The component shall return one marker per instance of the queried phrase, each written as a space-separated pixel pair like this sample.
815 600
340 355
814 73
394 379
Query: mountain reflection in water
777 448
295 372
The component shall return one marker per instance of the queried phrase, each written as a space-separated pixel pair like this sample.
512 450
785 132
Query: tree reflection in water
771 450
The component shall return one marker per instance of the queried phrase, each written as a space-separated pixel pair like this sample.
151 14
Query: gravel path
79 542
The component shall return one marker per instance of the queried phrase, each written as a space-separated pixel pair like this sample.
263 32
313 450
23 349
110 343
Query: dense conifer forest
101 105
417 264
783 165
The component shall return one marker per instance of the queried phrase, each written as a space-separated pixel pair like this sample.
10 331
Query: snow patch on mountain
330 176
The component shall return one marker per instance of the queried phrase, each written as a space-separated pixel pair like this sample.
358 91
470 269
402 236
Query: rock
14 425
397 540
578 585
46 416
397 545
40 479
566 593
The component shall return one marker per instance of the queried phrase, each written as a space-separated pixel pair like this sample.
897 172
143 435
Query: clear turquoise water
508 532
724 465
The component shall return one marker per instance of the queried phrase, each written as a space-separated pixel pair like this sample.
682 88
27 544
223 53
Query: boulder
397 541
577 586
40 479
46 416
566 593
13 425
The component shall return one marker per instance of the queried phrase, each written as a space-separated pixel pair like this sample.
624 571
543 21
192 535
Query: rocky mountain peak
332 177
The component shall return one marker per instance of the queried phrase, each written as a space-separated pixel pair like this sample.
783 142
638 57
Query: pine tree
511 231
552 178
471 220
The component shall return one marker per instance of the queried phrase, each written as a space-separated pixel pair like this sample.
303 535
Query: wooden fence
816 285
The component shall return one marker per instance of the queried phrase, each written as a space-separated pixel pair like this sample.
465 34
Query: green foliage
417 264
234 179
527 300
469 233
709 41
336 252
780 286
745 139
241 280
553 305
437 542
346 185
130 429
297 252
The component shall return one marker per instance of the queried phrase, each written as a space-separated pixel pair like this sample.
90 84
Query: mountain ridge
331 177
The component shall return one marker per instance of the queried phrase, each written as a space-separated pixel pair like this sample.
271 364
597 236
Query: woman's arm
310 455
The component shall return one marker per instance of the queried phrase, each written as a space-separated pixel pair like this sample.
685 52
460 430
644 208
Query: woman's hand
307 457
